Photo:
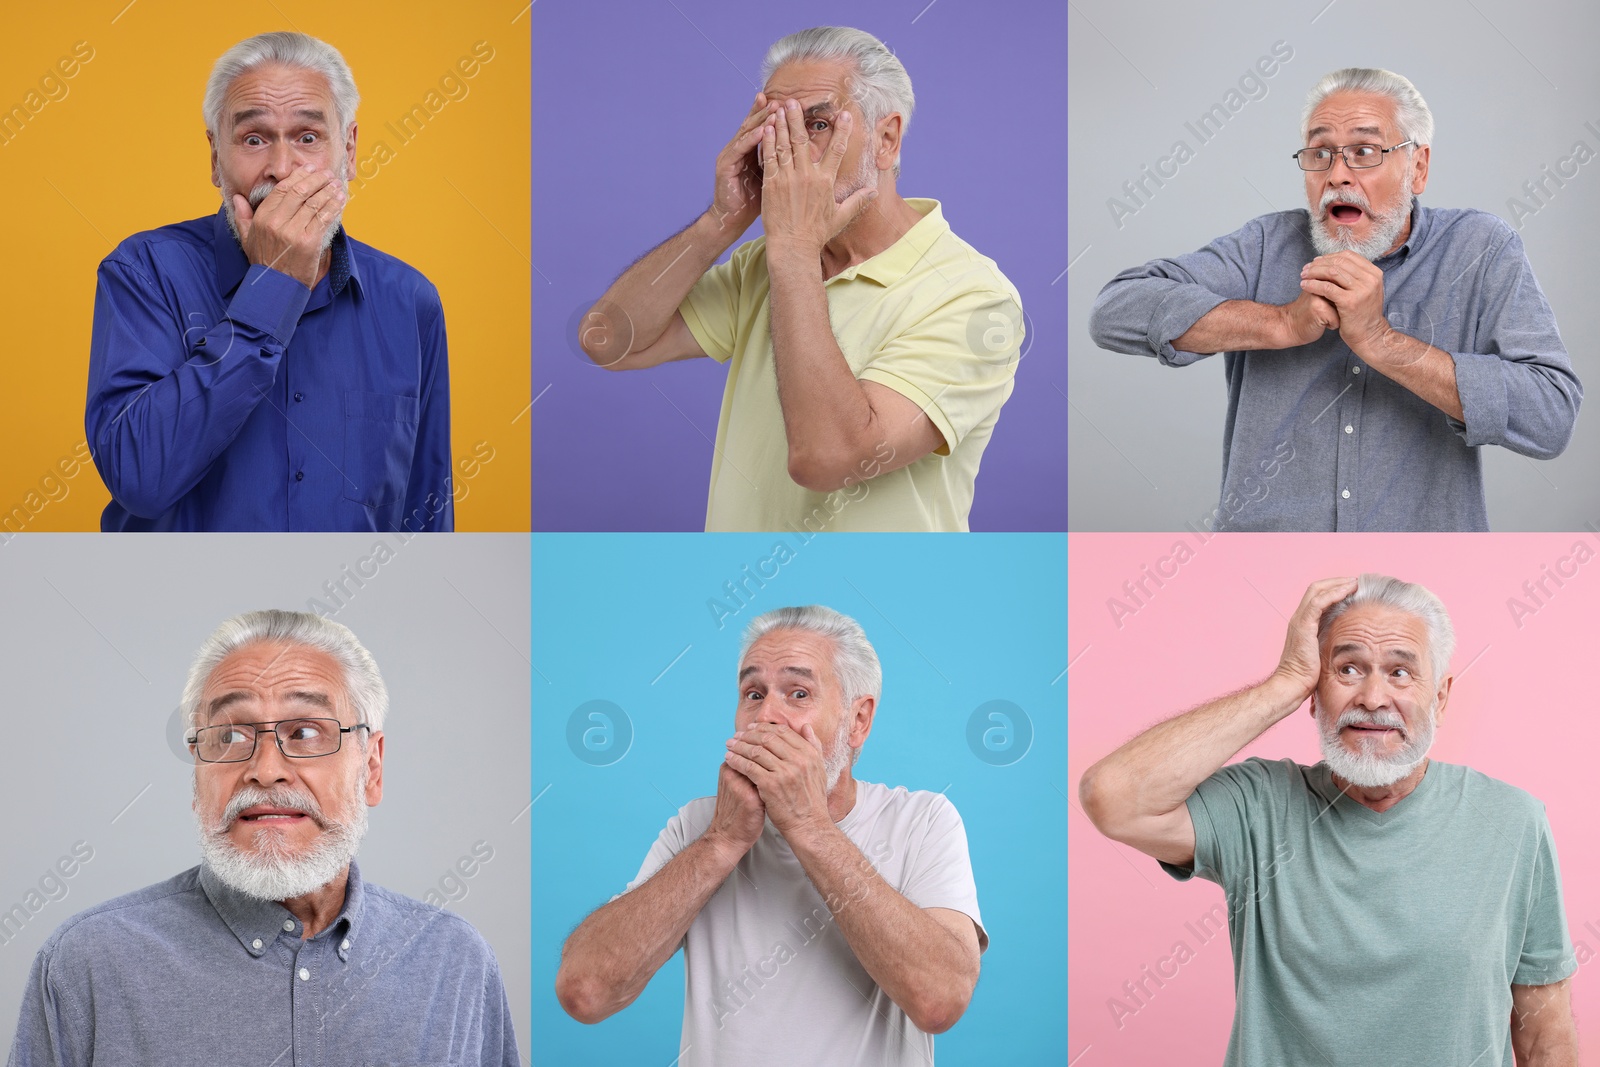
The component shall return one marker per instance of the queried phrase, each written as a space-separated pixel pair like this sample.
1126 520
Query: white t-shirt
768 977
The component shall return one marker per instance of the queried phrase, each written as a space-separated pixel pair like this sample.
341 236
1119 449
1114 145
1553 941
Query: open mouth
1371 728
270 816
1345 214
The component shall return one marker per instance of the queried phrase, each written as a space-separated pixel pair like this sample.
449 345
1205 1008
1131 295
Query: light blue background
957 622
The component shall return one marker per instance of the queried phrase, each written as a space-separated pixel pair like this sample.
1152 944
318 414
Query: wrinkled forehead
1353 118
815 83
1378 631
788 652
277 671
278 92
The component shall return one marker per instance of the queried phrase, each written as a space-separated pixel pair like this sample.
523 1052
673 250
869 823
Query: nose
281 160
1374 693
268 764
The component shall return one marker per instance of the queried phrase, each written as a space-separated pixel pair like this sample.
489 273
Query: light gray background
1146 440
95 643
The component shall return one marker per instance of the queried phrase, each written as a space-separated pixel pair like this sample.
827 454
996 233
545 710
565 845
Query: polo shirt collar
232 265
256 923
894 262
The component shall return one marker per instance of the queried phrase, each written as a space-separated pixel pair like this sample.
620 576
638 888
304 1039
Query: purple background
632 103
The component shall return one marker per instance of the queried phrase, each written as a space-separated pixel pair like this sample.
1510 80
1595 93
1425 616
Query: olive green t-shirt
1368 939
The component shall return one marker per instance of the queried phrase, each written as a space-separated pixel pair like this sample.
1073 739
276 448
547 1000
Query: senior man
1371 344
273 949
1384 908
259 369
869 347
822 919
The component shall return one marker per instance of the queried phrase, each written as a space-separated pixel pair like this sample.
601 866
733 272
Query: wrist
784 256
722 230
1284 693
725 851
806 835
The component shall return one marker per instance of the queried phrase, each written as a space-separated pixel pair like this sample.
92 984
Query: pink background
1521 710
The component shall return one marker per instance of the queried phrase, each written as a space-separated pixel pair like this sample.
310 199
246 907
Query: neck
317 909
842 797
883 222
1383 797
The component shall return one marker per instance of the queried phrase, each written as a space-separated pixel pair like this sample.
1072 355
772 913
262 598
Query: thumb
243 214
856 202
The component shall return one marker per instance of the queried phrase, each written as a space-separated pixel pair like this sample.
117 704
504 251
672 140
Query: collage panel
297 377
1403 867
1398 334
114 948
664 664
863 400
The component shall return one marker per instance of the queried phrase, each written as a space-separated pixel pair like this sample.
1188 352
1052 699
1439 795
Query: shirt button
288 924
299 476
1349 429
344 946
1355 370
1345 494
299 397
256 944
305 975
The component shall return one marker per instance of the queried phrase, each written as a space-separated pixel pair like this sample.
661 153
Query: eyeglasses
235 742
1356 156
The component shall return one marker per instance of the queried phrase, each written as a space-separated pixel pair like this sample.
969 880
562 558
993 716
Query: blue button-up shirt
228 396
189 973
1317 440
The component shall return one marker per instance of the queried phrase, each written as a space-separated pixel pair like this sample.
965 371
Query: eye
1402 672
819 125
303 730
752 694
1364 151
253 140
308 138
799 694
232 735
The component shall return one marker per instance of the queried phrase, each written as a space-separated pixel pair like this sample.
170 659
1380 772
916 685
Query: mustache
260 193
286 797
1344 196
1390 719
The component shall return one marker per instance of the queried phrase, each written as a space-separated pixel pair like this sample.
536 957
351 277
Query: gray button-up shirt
189 973
1317 440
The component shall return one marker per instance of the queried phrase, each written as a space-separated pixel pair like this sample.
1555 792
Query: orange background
120 147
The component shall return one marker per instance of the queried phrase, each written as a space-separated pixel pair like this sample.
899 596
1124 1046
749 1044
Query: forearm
649 292
1543 1033
919 963
1427 371
828 421
1236 326
612 955
1154 774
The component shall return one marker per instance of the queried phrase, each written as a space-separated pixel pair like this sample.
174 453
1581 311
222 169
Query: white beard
1367 769
841 755
1386 225
270 871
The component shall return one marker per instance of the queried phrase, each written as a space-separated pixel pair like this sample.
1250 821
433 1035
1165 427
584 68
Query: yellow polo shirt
928 317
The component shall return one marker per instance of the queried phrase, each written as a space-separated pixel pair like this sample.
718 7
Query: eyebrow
310 114
804 672
1320 130
824 108
241 696
1396 653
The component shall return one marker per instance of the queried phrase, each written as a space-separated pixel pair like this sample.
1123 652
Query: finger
810 734
769 154
799 138
756 752
1321 595
750 769
756 117
784 143
840 142
1329 291
243 214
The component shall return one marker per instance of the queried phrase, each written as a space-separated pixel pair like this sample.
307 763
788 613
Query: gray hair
1410 598
1411 112
291 50
854 659
362 682
880 84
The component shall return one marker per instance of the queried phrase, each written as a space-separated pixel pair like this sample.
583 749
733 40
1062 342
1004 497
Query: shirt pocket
380 436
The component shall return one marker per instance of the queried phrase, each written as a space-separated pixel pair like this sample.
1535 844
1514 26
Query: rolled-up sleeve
1144 309
1517 388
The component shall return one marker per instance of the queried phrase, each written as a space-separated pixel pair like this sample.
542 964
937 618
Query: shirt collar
232 265
1420 219
894 262
256 923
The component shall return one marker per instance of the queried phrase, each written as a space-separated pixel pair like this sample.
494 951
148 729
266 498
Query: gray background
94 647
1145 441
